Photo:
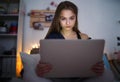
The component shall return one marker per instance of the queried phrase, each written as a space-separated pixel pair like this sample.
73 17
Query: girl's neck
67 33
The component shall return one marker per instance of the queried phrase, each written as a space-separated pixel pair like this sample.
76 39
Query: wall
97 18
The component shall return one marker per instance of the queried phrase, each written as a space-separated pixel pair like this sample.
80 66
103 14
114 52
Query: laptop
71 58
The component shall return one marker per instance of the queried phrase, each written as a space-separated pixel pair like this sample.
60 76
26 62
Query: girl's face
67 19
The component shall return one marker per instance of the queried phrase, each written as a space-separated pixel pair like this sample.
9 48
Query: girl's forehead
67 12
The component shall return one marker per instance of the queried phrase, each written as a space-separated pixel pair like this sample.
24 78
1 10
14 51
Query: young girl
65 26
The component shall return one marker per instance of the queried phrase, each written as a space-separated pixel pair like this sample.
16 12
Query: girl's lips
68 27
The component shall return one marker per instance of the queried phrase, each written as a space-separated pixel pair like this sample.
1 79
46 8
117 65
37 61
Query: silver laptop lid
71 58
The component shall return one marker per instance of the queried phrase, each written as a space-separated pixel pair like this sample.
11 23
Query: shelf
4 15
9 17
41 17
8 35
11 1
7 56
7 66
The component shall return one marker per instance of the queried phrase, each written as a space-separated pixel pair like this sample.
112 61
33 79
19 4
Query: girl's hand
98 68
43 68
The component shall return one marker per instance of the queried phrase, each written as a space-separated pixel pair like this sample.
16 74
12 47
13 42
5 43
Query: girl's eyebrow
73 16
65 17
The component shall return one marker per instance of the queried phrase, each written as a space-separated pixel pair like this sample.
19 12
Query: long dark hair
55 25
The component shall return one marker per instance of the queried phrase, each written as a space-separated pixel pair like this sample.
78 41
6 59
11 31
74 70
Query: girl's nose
68 22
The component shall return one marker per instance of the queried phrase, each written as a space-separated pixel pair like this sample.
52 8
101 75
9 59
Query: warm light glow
35 46
19 65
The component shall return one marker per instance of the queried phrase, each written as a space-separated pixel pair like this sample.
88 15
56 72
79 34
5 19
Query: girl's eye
72 18
62 18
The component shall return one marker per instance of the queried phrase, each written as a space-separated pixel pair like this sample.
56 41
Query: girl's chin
68 29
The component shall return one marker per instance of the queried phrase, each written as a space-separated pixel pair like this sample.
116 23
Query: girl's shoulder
84 36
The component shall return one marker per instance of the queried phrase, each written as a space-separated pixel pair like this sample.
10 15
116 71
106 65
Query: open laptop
71 58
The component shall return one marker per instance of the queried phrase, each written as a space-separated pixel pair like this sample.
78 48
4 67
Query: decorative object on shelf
49 18
41 18
3 27
118 39
12 51
53 4
13 28
14 10
38 26
2 10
